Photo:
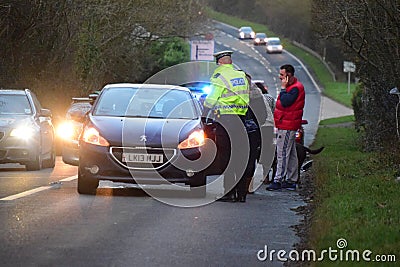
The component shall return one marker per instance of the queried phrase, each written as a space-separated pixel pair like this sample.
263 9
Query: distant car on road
260 39
274 45
246 32
26 131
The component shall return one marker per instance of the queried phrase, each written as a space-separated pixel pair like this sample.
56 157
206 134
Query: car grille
153 153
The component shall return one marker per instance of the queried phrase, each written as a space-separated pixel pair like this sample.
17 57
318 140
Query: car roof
13 91
146 86
261 33
274 38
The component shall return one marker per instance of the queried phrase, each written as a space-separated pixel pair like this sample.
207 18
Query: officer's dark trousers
232 141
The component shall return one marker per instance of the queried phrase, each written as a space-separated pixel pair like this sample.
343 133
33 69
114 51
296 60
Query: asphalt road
45 222
123 226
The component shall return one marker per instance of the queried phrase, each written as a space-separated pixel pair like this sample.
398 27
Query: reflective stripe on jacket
289 118
230 93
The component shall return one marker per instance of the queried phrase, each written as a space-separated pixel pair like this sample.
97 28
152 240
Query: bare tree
370 33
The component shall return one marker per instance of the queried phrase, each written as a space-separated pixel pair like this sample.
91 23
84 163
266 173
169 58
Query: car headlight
253 34
242 34
66 130
280 47
92 136
195 139
257 40
23 132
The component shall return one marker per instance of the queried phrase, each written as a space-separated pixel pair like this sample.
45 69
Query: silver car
274 45
26 131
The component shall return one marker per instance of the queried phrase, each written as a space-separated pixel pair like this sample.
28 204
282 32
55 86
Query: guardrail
309 50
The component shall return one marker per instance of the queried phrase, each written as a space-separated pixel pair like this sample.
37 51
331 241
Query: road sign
349 66
202 50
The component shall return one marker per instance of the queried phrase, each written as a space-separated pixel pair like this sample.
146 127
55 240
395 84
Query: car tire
198 185
51 162
35 165
86 186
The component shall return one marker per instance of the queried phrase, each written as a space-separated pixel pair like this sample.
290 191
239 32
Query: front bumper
15 150
105 163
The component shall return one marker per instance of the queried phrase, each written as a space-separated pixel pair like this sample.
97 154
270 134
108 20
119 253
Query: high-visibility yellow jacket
230 91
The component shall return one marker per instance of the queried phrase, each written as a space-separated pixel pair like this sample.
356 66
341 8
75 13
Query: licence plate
142 158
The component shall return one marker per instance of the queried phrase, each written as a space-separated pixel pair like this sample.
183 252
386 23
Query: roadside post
348 67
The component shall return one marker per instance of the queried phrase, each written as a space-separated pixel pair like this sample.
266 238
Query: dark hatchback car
26 131
144 134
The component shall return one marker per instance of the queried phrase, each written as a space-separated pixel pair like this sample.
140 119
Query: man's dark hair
289 68
262 87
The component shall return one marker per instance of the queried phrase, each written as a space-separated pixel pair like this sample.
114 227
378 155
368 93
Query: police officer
229 99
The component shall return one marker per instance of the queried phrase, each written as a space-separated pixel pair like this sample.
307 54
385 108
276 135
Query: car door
43 119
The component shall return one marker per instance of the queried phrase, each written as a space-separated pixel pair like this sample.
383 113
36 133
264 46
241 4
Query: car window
274 42
14 105
78 109
153 103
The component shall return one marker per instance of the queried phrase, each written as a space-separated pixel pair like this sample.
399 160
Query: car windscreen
12 104
146 103
261 35
274 42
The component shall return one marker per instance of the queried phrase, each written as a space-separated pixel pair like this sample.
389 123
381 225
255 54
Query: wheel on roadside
51 162
198 185
86 186
36 164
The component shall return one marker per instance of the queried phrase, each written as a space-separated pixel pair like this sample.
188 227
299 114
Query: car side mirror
45 113
78 116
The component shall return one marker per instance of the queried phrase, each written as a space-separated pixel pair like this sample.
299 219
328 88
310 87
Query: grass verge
357 198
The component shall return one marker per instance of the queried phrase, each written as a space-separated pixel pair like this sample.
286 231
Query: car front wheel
86 185
51 162
36 164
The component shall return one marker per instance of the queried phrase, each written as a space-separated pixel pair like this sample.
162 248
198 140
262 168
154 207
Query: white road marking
26 193
36 190
68 179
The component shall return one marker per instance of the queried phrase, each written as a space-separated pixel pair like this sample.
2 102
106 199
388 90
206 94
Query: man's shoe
242 199
227 198
274 186
289 185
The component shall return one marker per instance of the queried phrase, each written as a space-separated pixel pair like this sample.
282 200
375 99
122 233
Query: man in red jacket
287 117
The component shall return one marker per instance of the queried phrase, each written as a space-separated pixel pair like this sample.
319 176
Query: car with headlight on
144 134
70 128
26 130
246 32
260 39
274 45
